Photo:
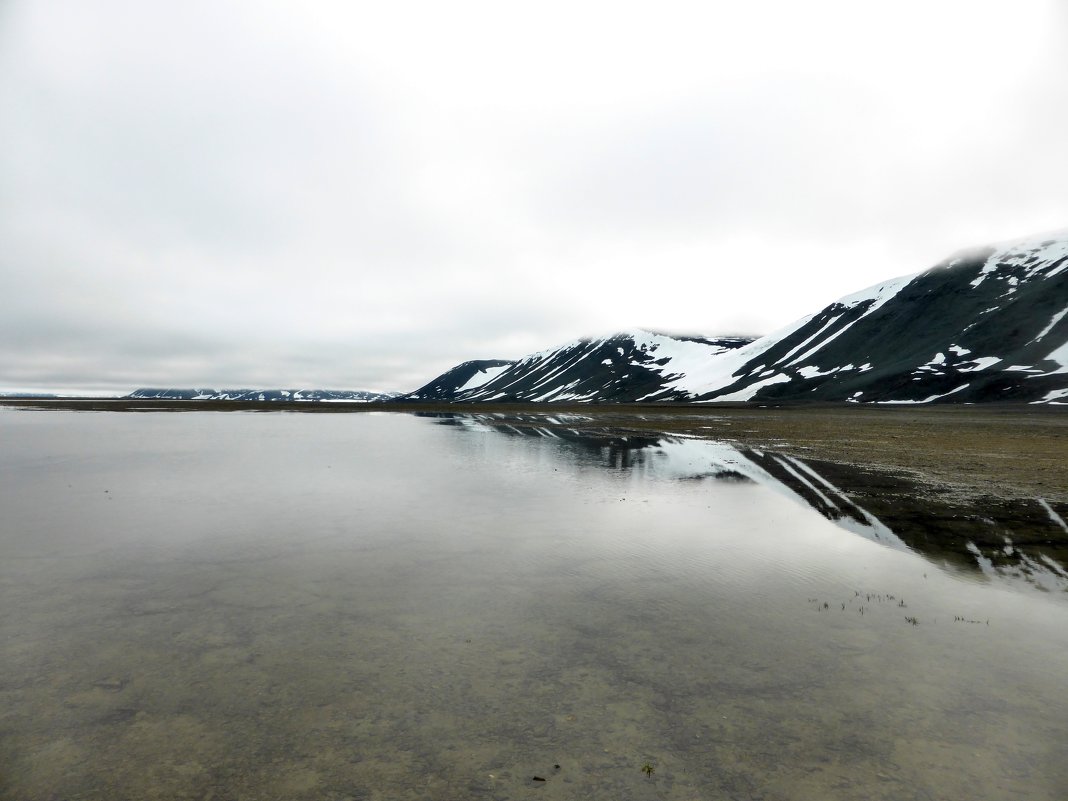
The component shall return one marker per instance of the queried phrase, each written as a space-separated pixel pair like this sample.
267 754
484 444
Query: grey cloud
801 165
240 193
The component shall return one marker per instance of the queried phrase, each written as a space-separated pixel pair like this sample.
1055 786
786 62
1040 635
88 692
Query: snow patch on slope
722 371
928 400
1060 356
881 293
1054 397
748 392
980 363
1056 319
1035 257
483 376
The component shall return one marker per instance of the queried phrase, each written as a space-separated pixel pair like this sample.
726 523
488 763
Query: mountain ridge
986 324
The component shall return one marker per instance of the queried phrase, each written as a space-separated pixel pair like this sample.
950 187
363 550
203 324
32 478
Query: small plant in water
648 769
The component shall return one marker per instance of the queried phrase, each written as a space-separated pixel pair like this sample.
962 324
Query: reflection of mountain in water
1021 540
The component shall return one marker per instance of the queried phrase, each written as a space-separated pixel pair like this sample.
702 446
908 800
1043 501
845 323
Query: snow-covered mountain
988 324
618 368
281 395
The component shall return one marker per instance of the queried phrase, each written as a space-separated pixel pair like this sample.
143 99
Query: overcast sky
361 195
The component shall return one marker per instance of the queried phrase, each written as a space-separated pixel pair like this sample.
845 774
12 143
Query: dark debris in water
864 603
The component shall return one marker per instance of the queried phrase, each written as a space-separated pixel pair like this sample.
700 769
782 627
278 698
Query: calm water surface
364 606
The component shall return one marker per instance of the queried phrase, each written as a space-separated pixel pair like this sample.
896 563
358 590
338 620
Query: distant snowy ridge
280 395
988 324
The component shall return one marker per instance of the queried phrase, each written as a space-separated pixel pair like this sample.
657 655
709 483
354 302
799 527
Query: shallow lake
386 606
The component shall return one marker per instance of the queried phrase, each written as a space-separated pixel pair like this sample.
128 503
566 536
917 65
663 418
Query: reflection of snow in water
1046 575
1056 518
805 485
870 527
679 458
721 458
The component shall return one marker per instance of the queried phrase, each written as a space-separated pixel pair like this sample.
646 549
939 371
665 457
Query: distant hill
987 324
281 395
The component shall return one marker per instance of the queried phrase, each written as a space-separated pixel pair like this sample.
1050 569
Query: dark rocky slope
986 325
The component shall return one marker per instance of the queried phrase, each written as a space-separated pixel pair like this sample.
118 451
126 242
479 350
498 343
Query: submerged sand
280 607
